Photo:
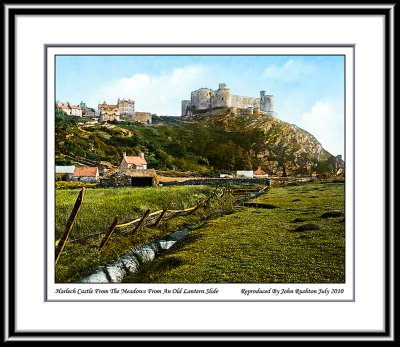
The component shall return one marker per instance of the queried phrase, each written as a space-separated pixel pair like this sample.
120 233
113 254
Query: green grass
97 212
101 205
262 244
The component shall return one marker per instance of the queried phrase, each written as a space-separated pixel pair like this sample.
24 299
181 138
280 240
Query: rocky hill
277 146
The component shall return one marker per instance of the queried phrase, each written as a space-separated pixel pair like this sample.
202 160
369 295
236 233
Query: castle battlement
206 99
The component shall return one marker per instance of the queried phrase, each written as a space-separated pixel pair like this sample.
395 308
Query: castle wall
245 102
142 117
185 106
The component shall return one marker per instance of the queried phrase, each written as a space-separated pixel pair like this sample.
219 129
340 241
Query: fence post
109 233
211 196
202 202
70 224
140 223
196 207
158 221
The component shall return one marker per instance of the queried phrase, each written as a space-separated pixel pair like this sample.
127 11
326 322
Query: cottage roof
65 169
259 172
107 106
138 161
85 171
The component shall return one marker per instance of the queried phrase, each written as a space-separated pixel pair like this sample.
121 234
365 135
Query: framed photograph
230 167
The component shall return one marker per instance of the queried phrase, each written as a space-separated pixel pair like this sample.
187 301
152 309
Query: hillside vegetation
207 144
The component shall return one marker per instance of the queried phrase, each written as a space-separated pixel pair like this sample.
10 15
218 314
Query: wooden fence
152 219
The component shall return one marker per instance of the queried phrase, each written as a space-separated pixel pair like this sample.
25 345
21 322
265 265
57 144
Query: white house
69 109
244 173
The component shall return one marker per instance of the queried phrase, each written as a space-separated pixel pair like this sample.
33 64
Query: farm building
133 162
86 174
64 173
71 110
244 173
131 178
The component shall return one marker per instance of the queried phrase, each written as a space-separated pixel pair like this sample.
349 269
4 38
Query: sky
308 90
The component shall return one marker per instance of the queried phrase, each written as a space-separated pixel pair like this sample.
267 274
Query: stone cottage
88 174
133 162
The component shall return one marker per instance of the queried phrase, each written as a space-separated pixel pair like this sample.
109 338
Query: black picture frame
12 11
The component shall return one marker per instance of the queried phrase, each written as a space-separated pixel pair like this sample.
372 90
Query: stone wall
142 117
186 104
125 181
84 179
117 181
220 181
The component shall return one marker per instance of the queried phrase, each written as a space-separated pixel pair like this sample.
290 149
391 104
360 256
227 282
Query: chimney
123 154
141 154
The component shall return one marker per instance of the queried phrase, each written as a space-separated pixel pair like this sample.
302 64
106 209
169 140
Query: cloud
290 71
153 93
325 121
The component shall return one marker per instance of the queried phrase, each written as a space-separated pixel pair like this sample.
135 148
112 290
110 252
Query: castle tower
266 102
223 97
201 98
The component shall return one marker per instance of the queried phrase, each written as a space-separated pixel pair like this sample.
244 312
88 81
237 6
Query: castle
124 110
205 99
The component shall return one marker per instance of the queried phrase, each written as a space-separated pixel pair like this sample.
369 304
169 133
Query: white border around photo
365 154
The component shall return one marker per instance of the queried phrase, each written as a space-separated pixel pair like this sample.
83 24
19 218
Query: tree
281 153
327 166
58 110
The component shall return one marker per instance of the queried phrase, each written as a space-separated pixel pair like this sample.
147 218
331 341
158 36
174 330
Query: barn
131 178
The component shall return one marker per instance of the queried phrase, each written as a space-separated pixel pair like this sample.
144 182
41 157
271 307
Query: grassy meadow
290 234
96 214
